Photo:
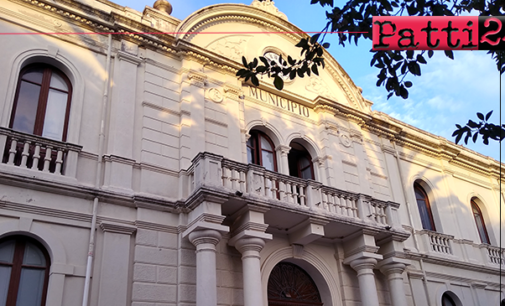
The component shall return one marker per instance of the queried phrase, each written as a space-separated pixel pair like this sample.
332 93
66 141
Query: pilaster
328 130
122 116
363 170
192 139
115 264
122 112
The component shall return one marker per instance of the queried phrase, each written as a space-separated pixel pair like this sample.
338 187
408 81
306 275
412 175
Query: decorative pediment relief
232 47
318 86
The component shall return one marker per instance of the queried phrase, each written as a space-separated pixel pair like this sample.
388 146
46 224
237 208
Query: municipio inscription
279 102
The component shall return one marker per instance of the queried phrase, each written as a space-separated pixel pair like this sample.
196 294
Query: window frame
446 297
418 187
17 265
256 149
40 115
296 156
479 211
311 166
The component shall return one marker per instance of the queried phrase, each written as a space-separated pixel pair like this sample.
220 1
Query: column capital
250 247
362 264
319 160
283 149
393 266
201 237
393 269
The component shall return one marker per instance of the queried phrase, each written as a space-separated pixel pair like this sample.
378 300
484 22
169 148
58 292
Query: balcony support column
394 270
360 251
205 242
250 249
249 237
367 289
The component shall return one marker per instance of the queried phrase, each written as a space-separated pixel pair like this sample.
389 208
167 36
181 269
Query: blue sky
448 92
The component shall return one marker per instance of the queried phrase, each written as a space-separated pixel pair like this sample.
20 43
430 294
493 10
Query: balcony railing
37 153
210 170
495 254
437 242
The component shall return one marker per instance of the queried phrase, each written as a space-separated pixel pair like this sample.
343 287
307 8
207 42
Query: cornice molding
118 228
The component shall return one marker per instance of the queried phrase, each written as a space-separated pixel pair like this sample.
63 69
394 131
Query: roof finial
163 6
268 6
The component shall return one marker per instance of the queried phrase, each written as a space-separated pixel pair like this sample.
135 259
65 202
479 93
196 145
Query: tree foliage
353 21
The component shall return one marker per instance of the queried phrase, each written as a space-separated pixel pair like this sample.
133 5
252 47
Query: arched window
300 162
260 151
423 204
42 102
290 285
479 221
447 300
24 272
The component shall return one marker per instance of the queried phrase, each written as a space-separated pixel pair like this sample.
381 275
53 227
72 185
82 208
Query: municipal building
137 169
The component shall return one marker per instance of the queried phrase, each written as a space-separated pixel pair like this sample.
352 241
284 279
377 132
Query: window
290 285
276 58
300 163
479 221
423 204
42 102
24 272
260 151
447 300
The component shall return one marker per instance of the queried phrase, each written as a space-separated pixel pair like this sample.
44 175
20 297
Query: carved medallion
215 94
346 142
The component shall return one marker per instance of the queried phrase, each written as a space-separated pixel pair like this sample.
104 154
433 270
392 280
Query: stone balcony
31 153
291 201
441 245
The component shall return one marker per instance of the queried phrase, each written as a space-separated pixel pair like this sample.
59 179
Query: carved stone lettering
279 102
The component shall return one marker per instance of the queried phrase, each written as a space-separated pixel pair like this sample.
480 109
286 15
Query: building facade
138 170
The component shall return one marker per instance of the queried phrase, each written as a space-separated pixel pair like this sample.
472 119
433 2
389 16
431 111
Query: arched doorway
290 285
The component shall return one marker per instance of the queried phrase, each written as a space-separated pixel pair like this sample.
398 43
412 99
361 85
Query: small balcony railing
437 242
210 170
38 153
495 254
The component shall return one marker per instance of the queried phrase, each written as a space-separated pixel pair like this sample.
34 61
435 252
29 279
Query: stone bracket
307 232
362 255
202 225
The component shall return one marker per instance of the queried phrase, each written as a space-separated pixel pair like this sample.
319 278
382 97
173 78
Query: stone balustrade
38 153
250 180
437 243
495 254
